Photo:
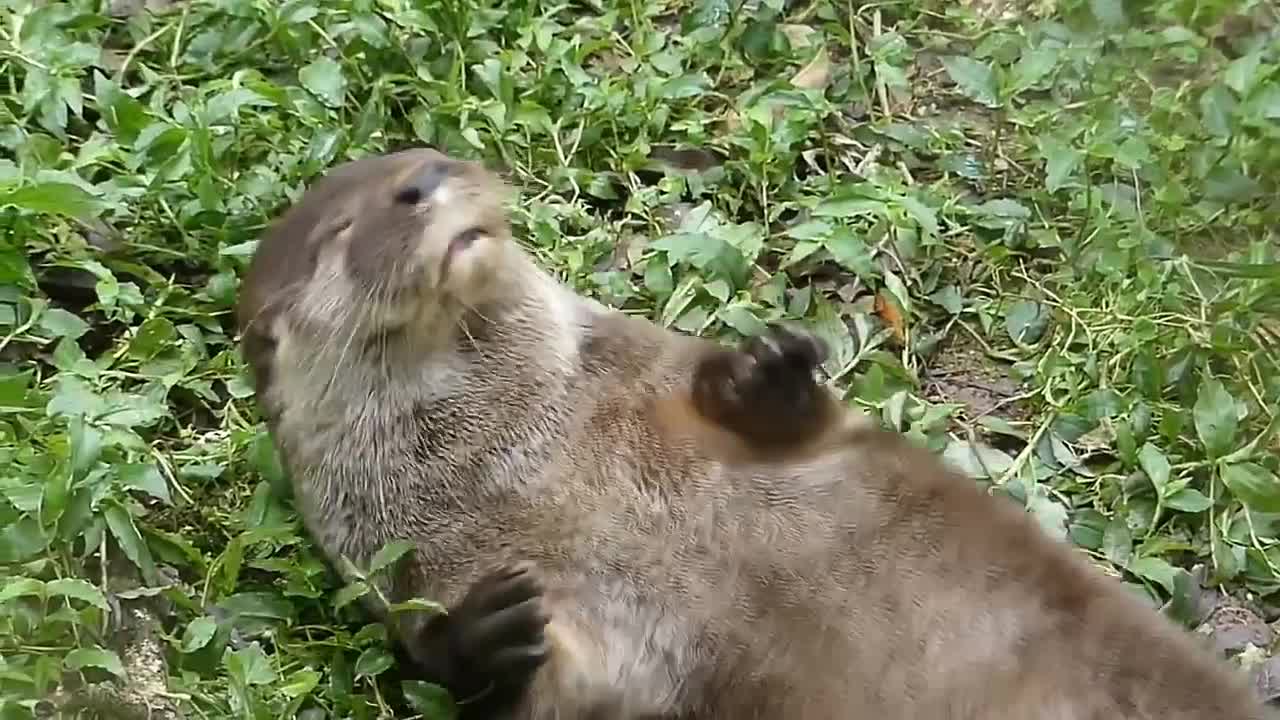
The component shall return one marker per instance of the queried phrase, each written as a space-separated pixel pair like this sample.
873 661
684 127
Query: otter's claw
765 391
486 649
498 627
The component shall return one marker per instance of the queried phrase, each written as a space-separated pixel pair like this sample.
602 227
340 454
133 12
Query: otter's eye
468 236
410 195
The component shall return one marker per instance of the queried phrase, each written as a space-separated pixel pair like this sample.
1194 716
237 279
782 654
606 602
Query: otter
658 526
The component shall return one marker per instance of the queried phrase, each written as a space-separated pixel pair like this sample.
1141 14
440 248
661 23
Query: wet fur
685 574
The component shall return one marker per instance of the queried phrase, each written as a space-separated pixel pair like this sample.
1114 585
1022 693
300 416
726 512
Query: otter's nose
425 183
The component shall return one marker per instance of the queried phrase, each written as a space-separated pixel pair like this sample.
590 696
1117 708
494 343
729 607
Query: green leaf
60 323
1061 161
198 633
373 662
21 587
1187 604
77 589
1253 485
86 446
1215 417
1242 74
95 657
14 268
685 86
1109 14
301 683
153 336
52 198
1188 500
1156 570
126 533
250 666
145 477
851 252
1117 542
976 460
324 79
431 701
1026 321
21 540
417 605
1048 512
388 554
975 79
350 593
1032 67
1155 465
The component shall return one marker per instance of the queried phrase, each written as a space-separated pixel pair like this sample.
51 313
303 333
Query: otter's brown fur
481 409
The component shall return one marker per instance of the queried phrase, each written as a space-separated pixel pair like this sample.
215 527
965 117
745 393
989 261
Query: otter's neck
477 413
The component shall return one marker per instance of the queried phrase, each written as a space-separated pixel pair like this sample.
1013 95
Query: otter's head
381 252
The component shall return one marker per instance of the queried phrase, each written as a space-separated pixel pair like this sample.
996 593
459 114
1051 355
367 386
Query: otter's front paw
488 646
497 631
765 391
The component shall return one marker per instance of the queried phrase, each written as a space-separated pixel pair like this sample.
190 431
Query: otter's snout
424 183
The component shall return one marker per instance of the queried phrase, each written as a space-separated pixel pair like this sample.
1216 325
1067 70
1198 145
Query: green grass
1045 248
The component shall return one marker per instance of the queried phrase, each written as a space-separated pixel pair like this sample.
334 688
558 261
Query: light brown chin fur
689 575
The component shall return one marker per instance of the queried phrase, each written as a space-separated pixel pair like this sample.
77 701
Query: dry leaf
891 315
816 74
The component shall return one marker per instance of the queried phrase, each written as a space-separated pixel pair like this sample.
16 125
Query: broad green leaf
1187 604
76 589
373 662
685 86
60 323
260 605
198 633
1026 321
52 198
1048 512
126 533
1242 74
1117 542
21 587
977 80
1034 65
250 666
851 252
350 593
1156 570
978 461
145 477
1188 500
153 336
431 701
301 683
1253 485
325 79
1109 14
1215 417
95 657
388 554
86 446
22 540
1155 465
1061 161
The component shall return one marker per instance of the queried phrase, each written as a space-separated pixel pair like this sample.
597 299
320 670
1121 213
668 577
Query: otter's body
425 380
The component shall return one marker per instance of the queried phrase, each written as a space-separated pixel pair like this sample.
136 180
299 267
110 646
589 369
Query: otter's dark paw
486 650
498 627
765 391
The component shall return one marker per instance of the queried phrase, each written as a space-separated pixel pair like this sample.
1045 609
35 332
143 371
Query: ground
1040 238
